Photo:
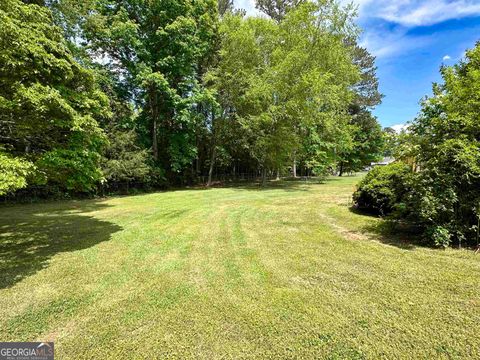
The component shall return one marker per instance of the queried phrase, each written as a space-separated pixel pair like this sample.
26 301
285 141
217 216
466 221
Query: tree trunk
154 110
212 164
278 174
197 159
264 177
294 167
340 173
154 140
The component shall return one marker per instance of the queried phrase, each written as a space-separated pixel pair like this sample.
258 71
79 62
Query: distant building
383 162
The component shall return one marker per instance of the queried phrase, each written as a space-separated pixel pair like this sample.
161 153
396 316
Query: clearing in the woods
240 272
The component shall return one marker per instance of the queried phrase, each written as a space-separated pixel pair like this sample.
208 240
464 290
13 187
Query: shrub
383 189
443 144
439 235
13 173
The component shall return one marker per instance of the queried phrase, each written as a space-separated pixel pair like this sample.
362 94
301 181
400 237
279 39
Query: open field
285 272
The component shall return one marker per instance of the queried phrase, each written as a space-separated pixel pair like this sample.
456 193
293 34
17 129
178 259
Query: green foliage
283 87
367 142
383 189
390 142
143 91
367 94
157 50
74 169
13 173
49 103
446 146
439 235
123 160
442 146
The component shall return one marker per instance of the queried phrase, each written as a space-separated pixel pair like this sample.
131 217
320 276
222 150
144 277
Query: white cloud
384 44
248 6
388 41
410 13
433 12
446 58
399 127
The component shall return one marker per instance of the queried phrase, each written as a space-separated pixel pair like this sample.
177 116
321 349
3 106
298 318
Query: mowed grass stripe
242 272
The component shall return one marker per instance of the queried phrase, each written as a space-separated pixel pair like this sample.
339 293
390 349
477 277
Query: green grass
285 272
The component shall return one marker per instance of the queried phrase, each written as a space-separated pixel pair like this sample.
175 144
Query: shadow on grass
289 184
395 233
285 185
250 185
31 235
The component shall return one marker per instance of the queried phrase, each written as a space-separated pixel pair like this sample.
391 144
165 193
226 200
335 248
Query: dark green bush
383 189
442 197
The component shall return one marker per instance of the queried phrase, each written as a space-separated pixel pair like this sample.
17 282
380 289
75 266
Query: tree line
163 92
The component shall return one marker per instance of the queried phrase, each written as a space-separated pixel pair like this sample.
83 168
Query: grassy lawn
285 272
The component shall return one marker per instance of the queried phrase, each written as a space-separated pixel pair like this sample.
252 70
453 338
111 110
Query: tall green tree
281 84
321 102
124 160
49 103
367 139
158 48
367 142
349 152
390 142
367 94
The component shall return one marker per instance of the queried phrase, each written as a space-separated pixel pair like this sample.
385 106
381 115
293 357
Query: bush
443 144
13 173
383 189
439 235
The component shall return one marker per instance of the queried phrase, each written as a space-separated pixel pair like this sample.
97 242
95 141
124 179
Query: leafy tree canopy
49 103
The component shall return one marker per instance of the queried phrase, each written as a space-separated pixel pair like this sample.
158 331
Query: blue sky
411 39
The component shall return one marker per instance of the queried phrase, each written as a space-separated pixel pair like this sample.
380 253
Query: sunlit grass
240 272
